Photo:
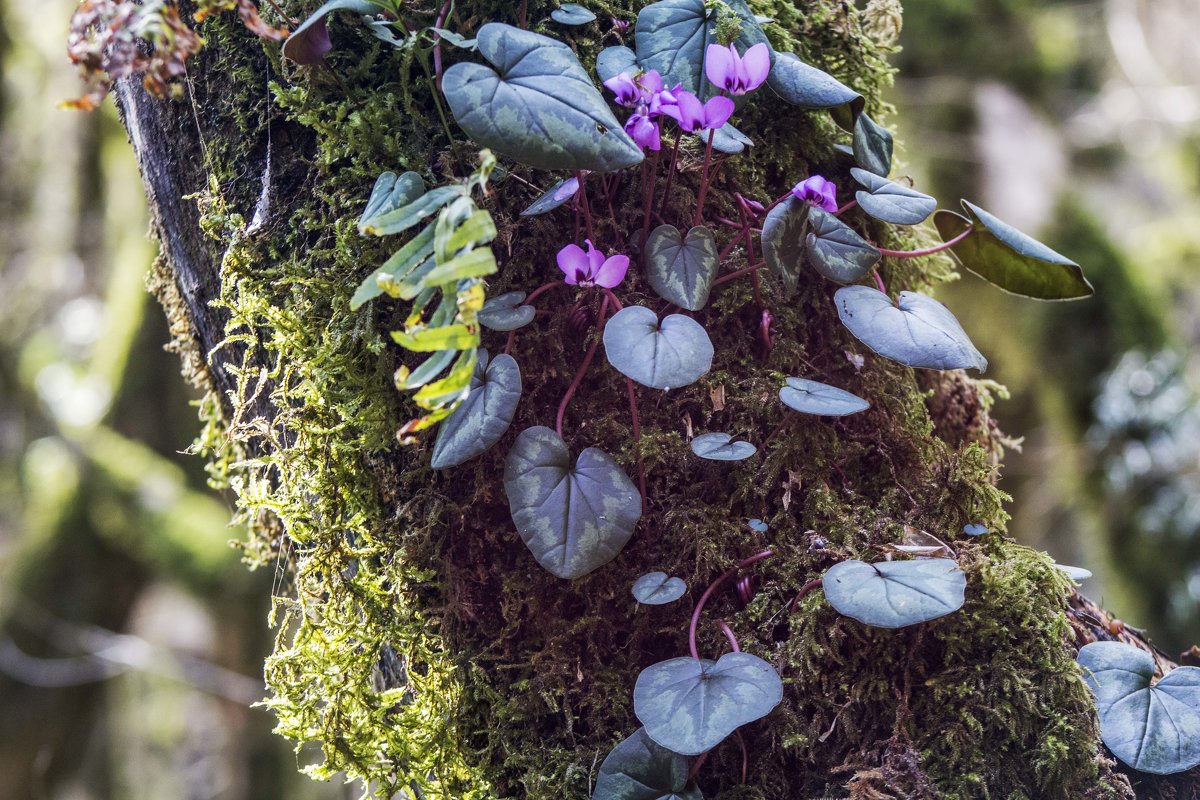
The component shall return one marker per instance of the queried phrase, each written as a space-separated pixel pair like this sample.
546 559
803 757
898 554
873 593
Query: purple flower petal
687 111
644 132
757 65
612 272
595 258
717 112
625 88
720 65
574 264
651 82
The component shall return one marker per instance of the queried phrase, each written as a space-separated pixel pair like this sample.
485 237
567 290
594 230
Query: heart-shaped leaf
554 197
893 594
783 241
1002 255
573 519
672 37
662 356
1152 728
682 270
656 589
975 529
505 312
835 250
481 419
811 397
889 201
690 705
572 14
872 146
310 42
758 526
727 139
639 769
916 330
612 61
721 447
808 87
541 108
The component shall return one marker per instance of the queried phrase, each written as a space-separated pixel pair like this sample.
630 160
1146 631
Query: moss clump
421 646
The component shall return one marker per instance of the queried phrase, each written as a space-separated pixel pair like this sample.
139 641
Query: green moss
421 646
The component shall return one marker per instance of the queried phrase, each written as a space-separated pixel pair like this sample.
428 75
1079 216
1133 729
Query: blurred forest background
131 640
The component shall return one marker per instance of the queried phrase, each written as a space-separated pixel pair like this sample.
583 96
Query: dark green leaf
573 519
808 87
916 330
1002 255
309 44
1154 729
682 270
690 705
872 146
672 36
482 418
639 769
675 353
891 202
835 250
893 594
783 241
811 397
541 108
721 447
504 313
572 14
656 589
612 61
554 197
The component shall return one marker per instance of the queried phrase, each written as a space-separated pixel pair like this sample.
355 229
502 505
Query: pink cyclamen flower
694 116
636 90
644 132
591 268
737 74
816 191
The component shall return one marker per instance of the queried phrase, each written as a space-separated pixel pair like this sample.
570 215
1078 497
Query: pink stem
735 275
696 766
587 209
583 368
508 345
709 593
671 169
648 201
608 295
543 288
745 755
815 583
928 251
704 178
637 439
878 281
437 44
779 200
845 208
733 642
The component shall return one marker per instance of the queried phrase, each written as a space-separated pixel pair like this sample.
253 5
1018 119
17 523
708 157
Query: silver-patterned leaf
890 201
690 705
657 589
812 397
573 518
682 270
835 250
722 447
893 594
541 108
505 312
482 418
666 355
783 241
639 769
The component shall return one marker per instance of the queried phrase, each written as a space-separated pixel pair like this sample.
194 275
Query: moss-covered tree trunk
419 643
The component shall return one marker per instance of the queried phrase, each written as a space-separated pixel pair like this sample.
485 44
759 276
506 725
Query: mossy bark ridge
419 643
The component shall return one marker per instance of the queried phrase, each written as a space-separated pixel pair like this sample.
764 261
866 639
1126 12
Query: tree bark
411 590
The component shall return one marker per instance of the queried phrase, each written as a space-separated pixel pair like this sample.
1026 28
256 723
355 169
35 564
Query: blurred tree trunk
986 702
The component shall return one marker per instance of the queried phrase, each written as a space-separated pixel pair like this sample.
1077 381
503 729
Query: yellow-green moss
421 646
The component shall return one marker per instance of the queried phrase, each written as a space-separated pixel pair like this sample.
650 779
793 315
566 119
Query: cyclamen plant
540 107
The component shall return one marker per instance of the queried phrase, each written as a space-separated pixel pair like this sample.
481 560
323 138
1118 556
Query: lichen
419 645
